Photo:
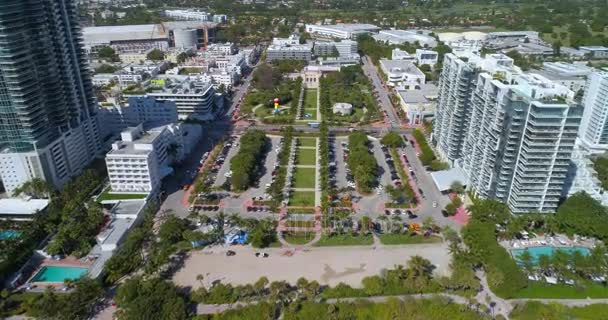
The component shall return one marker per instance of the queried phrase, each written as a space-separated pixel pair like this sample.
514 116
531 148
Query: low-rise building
340 30
342 48
396 36
146 110
426 57
419 105
339 61
194 96
402 74
345 109
288 52
292 40
595 52
138 162
398 54
572 76
20 209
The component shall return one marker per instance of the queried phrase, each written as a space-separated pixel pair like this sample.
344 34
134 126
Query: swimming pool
9 234
59 274
536 252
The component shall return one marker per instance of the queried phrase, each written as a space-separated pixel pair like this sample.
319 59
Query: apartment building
512 133
288 52
48 128
138 162
148 111
520 140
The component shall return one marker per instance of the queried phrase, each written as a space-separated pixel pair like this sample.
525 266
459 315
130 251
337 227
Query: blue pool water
9 234
59 274
536 252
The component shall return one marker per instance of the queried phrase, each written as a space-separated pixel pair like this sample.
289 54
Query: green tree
149 299
107 53
155 55
106 68
526 260
457 187
171 231
392 140
450 209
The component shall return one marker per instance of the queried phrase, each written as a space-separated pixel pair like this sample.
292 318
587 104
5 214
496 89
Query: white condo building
148 111
517 136
594 127
138 162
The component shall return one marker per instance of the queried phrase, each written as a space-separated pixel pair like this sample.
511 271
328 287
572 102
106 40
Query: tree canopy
140 299
392 140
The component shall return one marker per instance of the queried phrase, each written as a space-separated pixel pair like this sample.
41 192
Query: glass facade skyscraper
48 126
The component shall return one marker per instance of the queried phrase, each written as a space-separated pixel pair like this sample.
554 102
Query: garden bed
345 240
394 238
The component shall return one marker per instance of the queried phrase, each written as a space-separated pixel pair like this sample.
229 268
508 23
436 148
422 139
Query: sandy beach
327 265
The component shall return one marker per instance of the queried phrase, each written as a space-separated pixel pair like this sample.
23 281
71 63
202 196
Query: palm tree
396 224
200 278
313 288
420 266
302 284
259 285
383 220
544 262
526 260
428 223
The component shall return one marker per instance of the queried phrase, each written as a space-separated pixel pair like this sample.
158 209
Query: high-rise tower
48 127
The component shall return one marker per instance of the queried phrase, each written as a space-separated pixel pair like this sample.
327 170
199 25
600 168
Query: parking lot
270 165
223 160
384 172
339 174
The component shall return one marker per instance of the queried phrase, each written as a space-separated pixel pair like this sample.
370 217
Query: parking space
339 161
270 167
223 161
384 172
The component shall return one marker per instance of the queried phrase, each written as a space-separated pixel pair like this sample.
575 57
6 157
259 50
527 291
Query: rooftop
444 179
427 93
19 206
403 66
350 27
107 34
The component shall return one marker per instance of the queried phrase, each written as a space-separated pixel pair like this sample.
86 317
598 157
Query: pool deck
558 241
66 262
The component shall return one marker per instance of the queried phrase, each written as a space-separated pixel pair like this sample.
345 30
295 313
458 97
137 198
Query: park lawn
345 240
304 178
391 238
310 99
300 223
313 114
306 157
302 211
538 290
298 237
302 198
308 142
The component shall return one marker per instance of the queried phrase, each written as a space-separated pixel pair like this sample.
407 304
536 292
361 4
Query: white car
434 204
228 174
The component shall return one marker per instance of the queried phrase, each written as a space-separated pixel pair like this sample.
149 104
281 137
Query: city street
383 95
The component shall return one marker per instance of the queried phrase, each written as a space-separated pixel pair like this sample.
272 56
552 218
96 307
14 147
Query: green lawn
563 291
300 223
302 198
302 211
345 240
310 99
391 238
307 157
308 142
313 114
304 178
107 195
298 237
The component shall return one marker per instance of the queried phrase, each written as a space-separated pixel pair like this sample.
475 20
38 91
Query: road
431 193
383 95
305 128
